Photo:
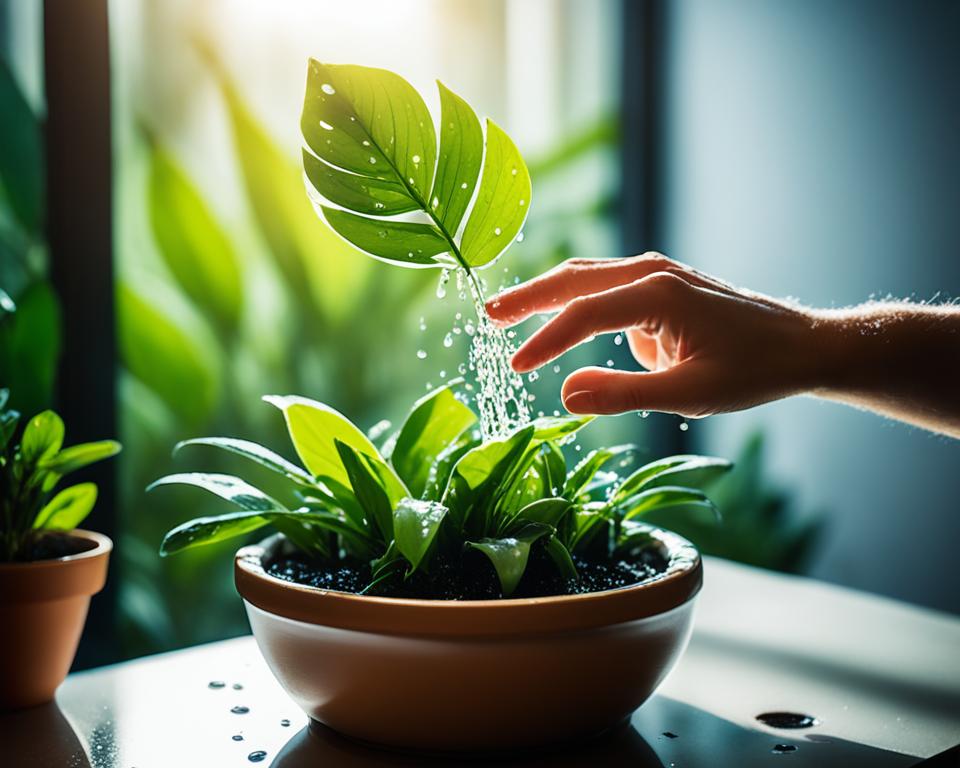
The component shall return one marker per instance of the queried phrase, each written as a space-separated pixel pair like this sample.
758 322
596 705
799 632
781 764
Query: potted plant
452 585
443 591
49 568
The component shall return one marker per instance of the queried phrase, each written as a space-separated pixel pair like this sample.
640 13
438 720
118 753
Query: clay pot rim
103 545
508 616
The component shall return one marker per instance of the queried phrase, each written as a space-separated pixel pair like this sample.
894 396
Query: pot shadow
318 745
40 737
664 732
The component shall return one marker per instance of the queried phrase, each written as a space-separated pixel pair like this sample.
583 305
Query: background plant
435 488
32 463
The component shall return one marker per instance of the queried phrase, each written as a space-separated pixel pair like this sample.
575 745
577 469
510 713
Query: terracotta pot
43 606
471 675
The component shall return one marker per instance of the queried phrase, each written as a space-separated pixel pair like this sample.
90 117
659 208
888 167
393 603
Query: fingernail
579 402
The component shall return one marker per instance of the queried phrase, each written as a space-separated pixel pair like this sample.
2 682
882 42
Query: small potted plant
49 568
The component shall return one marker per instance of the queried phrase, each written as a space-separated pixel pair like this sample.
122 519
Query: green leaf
30 348
21 155
364 194
546 511
192 243
558 427
439 475
67 509
561 558
166 357
76 456
372 151
510 554
255 452
315 429
371 494
592 463
370 122
554 469
435 422
682 469
415 526
478 474
209 530
404 242
227 487
503 201
461 152
42 437
652 499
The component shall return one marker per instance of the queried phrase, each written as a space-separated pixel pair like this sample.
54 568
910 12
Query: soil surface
472 577
55 544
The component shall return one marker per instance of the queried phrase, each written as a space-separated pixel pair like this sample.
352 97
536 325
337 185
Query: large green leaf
21 155
314 429
227 487
166 356
368 490
253 451
510 554
67 509
415 526
192 243
558 427
461 152
435 422
42 437
547 511
502 201
372 149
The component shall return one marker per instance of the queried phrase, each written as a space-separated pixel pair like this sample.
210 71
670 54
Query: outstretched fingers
574 278
639 304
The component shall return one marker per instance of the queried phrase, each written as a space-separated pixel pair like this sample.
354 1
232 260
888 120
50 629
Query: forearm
900 360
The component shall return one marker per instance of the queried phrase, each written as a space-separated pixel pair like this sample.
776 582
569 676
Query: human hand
708 347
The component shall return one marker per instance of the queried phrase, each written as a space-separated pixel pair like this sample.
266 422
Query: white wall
813 150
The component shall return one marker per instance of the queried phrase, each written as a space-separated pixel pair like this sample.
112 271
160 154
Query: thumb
605 391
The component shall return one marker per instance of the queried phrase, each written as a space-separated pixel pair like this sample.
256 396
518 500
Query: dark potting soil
472 577
55 544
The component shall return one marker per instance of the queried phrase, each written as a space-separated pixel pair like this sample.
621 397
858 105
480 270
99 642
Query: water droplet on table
216 684
787 720
257 757
782 749
240 709
237 737
285 723
237 687
670 735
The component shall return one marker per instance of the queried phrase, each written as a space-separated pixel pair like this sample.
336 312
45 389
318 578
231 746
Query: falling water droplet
422 354
520 238
618 339
533 376
684 426
448 340
423 324
442 285
609 363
